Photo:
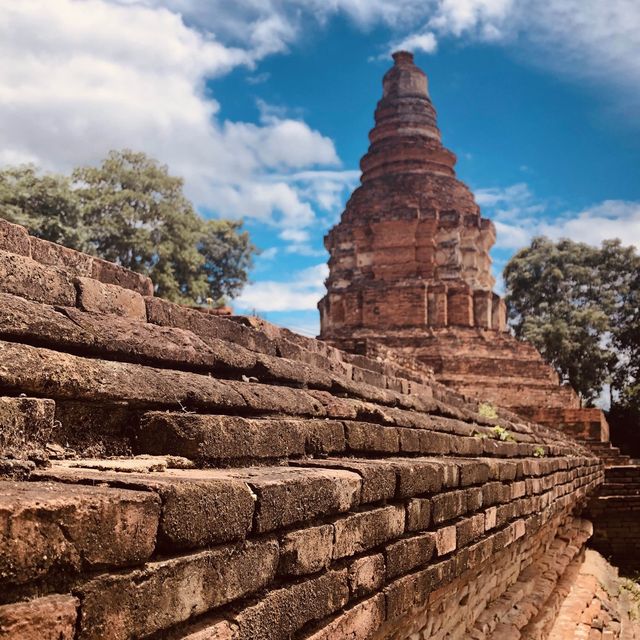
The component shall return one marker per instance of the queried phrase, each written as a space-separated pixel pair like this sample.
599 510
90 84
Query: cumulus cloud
589 39
300 292
602 221
425 42
81 77
519 216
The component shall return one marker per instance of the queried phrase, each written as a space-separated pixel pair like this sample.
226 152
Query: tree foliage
45 204
578 305
129 210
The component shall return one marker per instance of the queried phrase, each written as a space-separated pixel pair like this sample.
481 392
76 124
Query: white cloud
602 221
81 77
483 18
266 255
300 293
326 188
417 42
519 216
588 39
279 144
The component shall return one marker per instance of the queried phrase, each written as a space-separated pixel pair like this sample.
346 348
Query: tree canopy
579 305
131 211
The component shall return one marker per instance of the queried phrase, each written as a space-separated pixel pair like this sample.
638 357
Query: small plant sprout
500 433
539 452
487 410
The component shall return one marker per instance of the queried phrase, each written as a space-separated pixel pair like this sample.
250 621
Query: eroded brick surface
50 530
47 618
167 592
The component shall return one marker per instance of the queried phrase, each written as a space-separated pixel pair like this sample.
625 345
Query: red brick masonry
292 491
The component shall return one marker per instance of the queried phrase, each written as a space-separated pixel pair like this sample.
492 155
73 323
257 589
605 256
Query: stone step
234 440
69 378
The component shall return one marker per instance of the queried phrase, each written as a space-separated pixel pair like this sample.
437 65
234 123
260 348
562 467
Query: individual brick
168 314
49 529
473 473
96 426
490 518
462 446
203 511
518 489
362 531
25 421
358 623
495 493
469 529
14 238
409 440
211 437
502 470
474 498
366 575
323 437
447 506
199 507
281 613
504 513
136 604
415 476
110 273
288 496
409 553
446 540
24 277
211 630
436 443
270 368
306 551
371 438
378 478
50 253
450 473
48 618
418 514
336 407
97 297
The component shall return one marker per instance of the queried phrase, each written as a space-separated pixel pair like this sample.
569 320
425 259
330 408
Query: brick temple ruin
410 268
172 474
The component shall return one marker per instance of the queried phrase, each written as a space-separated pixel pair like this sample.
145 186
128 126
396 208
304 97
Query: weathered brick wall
280 489
615 510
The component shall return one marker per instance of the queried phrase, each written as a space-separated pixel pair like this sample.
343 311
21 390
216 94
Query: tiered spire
406 138
411 249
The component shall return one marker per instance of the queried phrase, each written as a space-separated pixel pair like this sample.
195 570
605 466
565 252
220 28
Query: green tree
45 204
574 302
226 250
131 211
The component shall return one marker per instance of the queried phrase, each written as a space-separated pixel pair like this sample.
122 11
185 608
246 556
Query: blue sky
264 107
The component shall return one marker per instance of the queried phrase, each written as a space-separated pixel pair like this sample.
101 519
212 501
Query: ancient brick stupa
409 266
